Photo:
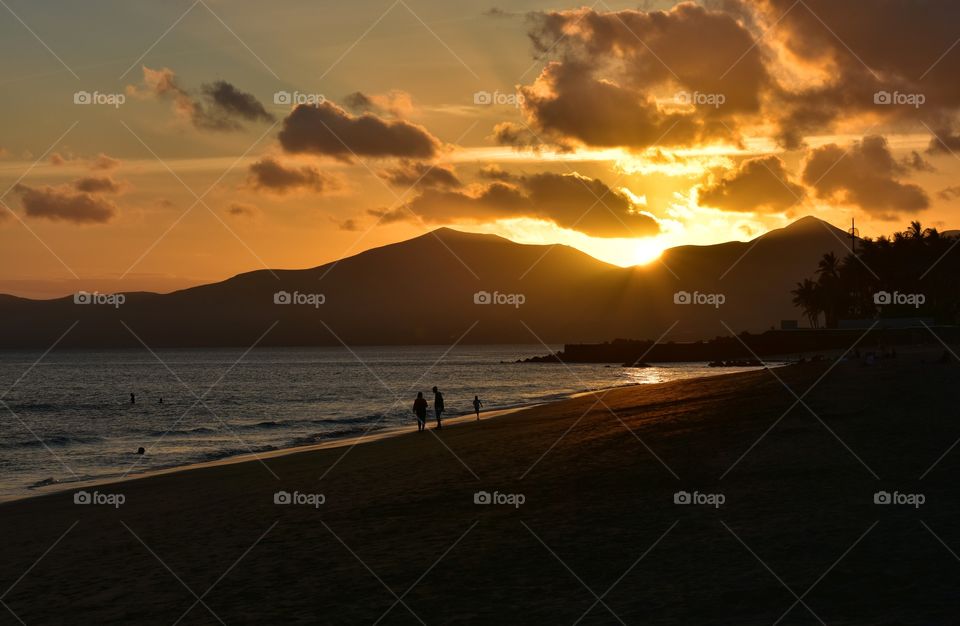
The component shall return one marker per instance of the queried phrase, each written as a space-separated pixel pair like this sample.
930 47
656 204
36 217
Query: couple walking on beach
420 408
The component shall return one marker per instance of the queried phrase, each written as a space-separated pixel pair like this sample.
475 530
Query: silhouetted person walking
438 406
476 406
420 410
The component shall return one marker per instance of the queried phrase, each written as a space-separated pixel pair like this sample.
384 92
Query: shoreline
334 443
519 503
255 457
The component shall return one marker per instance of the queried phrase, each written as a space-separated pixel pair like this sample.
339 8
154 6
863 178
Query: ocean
68 415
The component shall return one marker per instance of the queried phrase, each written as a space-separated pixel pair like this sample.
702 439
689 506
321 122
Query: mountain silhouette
446 286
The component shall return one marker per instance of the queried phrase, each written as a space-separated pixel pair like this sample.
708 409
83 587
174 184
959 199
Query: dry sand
598 536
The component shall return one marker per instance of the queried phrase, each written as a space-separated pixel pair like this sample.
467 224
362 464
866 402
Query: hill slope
423 291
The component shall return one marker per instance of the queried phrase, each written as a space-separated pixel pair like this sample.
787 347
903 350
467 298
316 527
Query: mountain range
447 286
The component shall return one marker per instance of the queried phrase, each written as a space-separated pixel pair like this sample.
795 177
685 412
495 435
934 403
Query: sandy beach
584 525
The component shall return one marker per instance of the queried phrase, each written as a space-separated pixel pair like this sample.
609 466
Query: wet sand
598 535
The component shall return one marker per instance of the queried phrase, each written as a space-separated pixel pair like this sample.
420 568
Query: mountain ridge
442 287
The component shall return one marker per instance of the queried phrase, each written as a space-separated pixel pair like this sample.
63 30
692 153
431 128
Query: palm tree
807 297
829 266
830 290
915 231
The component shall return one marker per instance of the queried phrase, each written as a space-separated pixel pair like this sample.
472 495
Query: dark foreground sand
400 519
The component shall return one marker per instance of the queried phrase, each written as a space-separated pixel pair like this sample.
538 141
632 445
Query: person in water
133 399
476 406
438 406
420 410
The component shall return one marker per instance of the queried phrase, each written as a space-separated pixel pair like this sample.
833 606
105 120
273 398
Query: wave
362 419
200 430
52 441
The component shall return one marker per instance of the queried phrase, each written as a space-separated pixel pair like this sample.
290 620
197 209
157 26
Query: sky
157 145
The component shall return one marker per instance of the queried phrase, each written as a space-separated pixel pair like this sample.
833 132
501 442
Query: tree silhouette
920 263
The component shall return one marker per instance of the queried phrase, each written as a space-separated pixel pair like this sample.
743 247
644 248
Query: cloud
64 204
497 12
568 200
220 107
759 184
417 173
97 184
566 104
326 129
104 162
494 172
949 193
606 70
915 161
944 141
232 101
848 54
798 69
396 103
99 162
349 225
241 209
270 175
866 175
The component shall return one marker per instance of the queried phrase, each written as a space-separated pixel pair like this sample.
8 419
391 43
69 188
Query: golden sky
151 146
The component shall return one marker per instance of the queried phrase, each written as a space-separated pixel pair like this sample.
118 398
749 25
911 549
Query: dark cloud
231 101
568 200
241 209
97 184
349 225
758 184
497 12
800 68
417 173
359 102
65 204
915 161
521 137
270 175
220 107
395 103
944 141
873 59
950 193
605 70
494 172
327 129
567 104
865 175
